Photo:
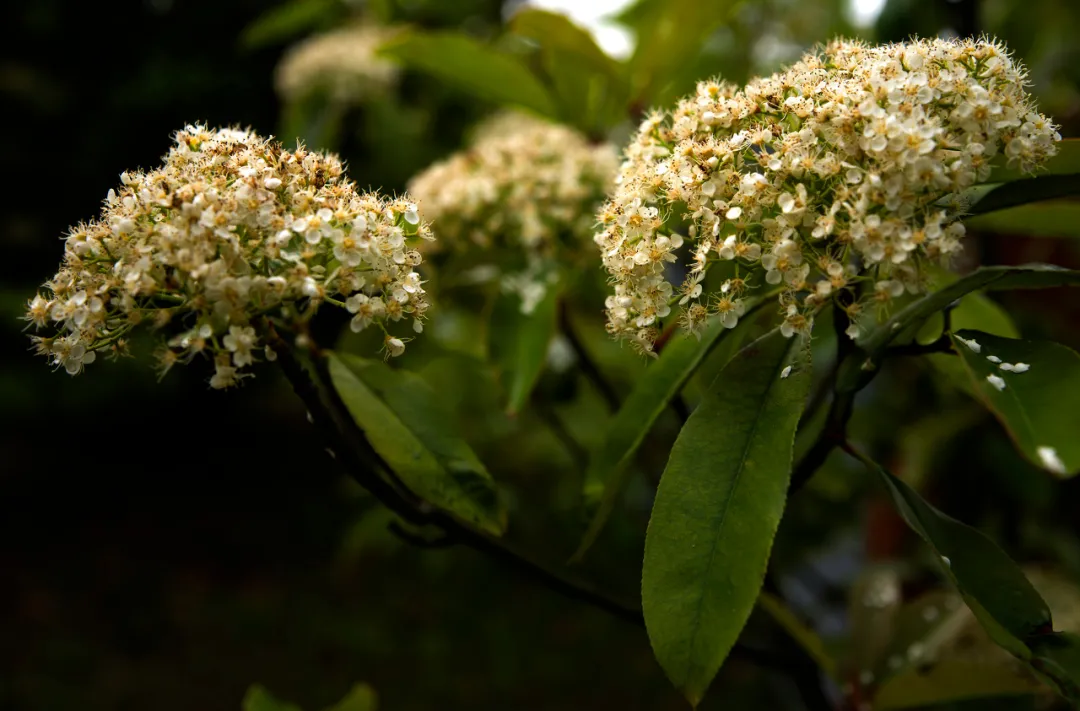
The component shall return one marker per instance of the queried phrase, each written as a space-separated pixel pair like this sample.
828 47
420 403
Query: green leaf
286 21
1040 408
1028 276
519 343
416 437
1043 219
670 34
474 67
806 637
609 468
552 30
589 85
993 586
982 199
258 698
717 510
360 698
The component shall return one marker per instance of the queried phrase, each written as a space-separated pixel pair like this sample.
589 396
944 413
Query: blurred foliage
165 546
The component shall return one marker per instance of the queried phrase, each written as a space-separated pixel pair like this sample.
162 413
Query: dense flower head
524 184
230 229
835 171
344 63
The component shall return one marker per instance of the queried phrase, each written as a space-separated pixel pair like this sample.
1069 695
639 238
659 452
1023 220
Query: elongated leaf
670 33
405 424
258 698
609 470
1039 407
556 31
473 66
982 199
806 637
1028 276
361 697
1041 219
717 510
978 312
993 586
287 20
590 86
519 343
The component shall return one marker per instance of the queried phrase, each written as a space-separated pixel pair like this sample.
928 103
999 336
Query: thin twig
840 408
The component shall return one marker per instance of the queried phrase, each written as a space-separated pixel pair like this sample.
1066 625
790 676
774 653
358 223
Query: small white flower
1015 367
995 380
994 359
1050 459
972 344
394 346
785 372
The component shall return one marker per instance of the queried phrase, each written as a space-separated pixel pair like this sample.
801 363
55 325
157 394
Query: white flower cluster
525 185
343 63
231 228
829 173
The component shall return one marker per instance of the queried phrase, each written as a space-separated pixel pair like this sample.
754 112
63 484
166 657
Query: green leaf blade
520 341
1055 218
407 427
717 510
993 586
473 66
609 468
1027 276
1040 407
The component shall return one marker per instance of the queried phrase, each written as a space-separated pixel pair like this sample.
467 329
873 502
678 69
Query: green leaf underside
1040 407
589 84
415 436
1007 606
609 467
519 343
1059 218
258 698
806 637
361 697
952 680
1027 276
473 66
717 510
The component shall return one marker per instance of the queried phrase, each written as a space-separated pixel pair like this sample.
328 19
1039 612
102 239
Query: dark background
163 546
